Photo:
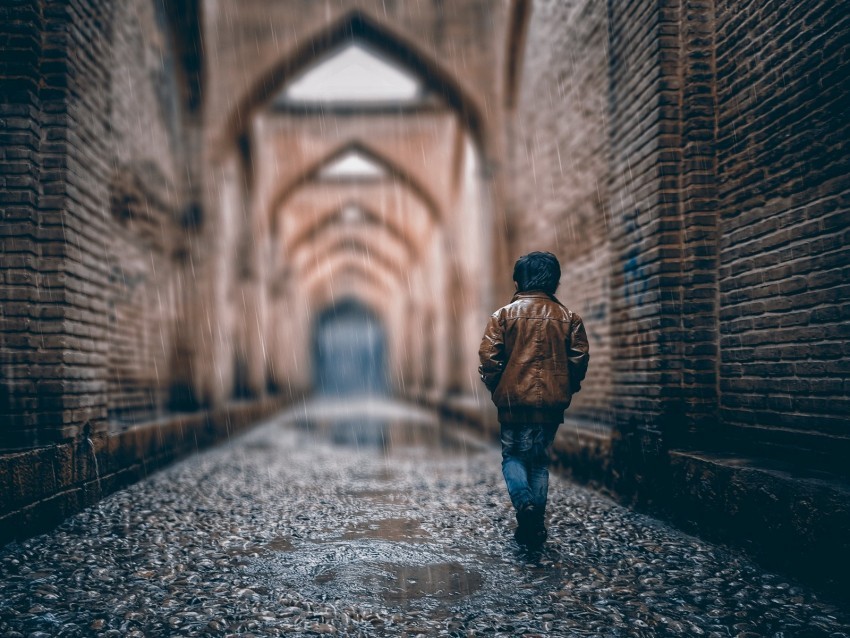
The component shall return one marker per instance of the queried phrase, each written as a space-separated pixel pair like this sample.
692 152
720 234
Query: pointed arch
357 25
312 173
365 290
386 249
352 165
396 206
345 304
353 75
353 267
336 217
359 248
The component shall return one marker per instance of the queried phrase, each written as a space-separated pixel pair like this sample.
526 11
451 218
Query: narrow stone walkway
376 520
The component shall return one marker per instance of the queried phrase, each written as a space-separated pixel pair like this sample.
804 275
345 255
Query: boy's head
537 271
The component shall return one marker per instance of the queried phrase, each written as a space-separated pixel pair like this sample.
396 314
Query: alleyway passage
377 520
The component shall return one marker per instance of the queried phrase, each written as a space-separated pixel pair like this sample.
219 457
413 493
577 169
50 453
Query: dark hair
537 271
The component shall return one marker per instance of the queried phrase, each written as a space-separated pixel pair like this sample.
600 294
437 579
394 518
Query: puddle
281 544
391 529
399 583
394 561
380 434
379 496
375 423
371 569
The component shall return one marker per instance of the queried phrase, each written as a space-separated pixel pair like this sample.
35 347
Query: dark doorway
349 352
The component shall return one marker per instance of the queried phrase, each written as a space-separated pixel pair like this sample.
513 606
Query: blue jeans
525 463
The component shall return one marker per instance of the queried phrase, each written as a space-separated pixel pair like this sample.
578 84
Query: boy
534 357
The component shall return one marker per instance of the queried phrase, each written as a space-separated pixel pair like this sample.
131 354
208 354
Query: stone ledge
30 506
791 521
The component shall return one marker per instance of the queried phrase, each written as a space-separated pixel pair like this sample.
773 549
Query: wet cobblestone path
334 523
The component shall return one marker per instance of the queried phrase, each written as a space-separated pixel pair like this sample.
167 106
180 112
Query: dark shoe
525 519
531 529
521 535
538 536
526 515
530 537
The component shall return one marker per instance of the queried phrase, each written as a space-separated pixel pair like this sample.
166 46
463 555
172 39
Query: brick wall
644 228
84 154
122 182
728 196
94 257
147 193
50 346
613 159
783 166
20 166
40 487
662 195
558 168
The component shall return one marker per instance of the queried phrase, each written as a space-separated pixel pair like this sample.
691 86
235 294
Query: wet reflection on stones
392 529
404 583
285 533
448 581
279 545
372 569
367 422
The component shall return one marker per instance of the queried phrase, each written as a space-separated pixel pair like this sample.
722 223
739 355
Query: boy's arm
579 353
492 352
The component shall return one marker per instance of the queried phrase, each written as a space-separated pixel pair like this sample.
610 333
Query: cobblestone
317 525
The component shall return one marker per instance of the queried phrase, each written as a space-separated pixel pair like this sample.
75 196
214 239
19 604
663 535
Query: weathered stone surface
281 532
64 479
166 239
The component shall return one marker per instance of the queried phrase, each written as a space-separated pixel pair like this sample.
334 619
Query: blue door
349 352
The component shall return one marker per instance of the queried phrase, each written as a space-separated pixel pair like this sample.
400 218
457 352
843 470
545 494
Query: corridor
373 518
248 250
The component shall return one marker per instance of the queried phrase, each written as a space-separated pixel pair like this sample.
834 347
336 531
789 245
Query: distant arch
357 25
350 349
358 247
336 216
322 294
387 279
311 174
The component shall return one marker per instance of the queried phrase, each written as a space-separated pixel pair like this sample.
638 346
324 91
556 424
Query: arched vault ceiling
396 205
335 221
396 176
362 250
422 147
326 292
256 47
341 266
381 246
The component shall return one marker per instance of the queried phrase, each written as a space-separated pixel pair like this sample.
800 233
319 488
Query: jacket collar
532 294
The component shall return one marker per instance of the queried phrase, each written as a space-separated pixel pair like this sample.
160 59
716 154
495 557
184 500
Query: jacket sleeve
579 353
492 352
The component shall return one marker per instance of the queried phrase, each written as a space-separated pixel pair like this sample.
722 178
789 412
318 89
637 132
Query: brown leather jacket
534 356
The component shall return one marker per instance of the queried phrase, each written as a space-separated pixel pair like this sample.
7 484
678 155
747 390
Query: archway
422 198
349 351
393 173
358 26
